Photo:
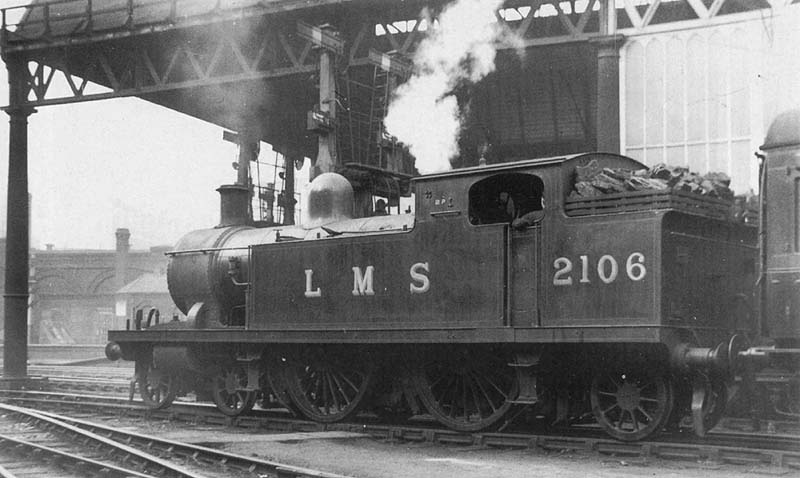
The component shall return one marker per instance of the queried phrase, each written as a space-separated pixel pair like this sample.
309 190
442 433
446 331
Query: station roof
66 18
243 65
240 64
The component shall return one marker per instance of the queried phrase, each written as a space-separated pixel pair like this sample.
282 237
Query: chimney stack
121 259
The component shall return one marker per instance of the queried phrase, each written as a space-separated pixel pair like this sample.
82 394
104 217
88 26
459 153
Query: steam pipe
761 283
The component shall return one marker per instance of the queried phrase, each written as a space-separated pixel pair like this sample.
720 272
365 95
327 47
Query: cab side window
513 198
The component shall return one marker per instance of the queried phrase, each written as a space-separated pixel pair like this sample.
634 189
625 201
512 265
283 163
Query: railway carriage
627 307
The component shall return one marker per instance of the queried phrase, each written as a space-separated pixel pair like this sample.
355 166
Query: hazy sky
97 166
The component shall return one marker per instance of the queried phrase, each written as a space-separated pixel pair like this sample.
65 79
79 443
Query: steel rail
4 473
735 448
160 466
63 459
197 452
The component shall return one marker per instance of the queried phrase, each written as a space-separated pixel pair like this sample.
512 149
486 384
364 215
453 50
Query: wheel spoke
464 397
634 420
334 395
473 385
496 387
643 412
325 384
460 390
349 382
638 408
620 419
453 394
447 388
493 399
488 398
650 400
339 387
613 406
318 387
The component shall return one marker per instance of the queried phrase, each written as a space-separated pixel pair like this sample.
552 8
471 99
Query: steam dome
784 131
330 199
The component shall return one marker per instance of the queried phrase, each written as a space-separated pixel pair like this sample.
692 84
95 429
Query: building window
687 101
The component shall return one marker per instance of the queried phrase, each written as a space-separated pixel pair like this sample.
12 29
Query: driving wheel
327 384
469 389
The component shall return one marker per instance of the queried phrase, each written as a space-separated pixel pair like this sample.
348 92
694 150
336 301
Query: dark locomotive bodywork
582 294
782 238
777 354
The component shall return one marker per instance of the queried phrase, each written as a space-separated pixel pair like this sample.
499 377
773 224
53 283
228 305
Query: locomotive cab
507 197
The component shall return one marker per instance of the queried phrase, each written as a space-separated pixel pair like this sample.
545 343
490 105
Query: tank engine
629 308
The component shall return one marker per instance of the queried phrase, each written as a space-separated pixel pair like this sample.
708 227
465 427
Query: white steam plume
424 113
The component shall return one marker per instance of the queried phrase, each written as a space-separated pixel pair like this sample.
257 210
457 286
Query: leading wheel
228 390
469 389
327 384
631 405
157 387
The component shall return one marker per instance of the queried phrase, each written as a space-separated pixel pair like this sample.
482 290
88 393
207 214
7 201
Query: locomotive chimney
234 202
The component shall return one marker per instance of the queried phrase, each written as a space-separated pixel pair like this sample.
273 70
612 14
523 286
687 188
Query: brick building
78 295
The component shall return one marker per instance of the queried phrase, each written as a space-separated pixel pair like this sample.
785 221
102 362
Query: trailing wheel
327 384
228 390
631 405
157 387
469 389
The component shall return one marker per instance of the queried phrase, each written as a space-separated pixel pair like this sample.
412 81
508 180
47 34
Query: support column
607 125
289 160
123 247
249 147
326 154
15 351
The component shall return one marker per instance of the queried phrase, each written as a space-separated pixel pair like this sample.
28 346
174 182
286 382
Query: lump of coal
636 183
587 172
591 180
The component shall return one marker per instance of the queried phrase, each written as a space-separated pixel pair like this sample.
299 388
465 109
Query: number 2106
607 269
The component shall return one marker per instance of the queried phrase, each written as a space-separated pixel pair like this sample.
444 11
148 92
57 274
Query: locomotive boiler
634 309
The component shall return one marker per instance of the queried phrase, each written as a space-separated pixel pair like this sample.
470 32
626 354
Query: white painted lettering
607 276
362 283
309 279
418 276
635 266
563 267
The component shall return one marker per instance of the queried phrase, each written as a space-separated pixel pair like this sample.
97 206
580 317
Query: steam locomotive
639 310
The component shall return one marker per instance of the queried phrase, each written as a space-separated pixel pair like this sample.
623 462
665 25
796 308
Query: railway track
116 381
35 443
778 450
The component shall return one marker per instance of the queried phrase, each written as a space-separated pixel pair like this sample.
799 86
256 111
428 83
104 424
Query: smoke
424 113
